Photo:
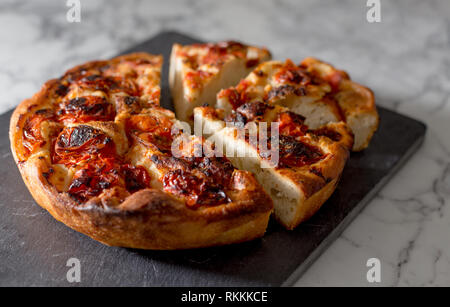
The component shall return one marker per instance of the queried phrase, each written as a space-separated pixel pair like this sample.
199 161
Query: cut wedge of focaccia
197 72
313 89
309 164
95 150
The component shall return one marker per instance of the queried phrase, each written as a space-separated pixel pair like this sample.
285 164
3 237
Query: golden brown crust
122 122
313 89
151 219
318 156
357 102
313 203
148 218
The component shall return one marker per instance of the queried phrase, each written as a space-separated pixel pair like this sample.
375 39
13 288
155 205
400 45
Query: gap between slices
336 115
313 89
310 161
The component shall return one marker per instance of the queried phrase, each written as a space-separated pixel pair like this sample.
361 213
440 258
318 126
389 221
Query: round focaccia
303 170
95 150
313 89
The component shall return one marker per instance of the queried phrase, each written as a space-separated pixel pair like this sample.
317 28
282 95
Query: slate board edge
322 246
332 236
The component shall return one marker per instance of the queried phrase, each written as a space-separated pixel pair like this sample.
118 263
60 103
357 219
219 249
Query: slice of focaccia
314 89
309 162
95 150
197 72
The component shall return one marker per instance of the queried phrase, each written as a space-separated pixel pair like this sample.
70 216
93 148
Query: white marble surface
405 59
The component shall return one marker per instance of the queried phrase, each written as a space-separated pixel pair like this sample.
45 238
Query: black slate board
34 248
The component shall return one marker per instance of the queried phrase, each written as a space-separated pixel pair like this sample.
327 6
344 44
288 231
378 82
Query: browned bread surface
88 145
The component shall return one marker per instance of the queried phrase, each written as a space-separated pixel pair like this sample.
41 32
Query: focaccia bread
98 152
95 149
197 72
313 89
309 163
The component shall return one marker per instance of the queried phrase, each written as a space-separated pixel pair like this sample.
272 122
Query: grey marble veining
405 59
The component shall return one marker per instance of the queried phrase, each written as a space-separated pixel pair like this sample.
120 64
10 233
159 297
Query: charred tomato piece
136 177
148 129
105 173
291 124
93 178
198 191
113 84
80 143
292 74
200 180
84 109
294 153
32 137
